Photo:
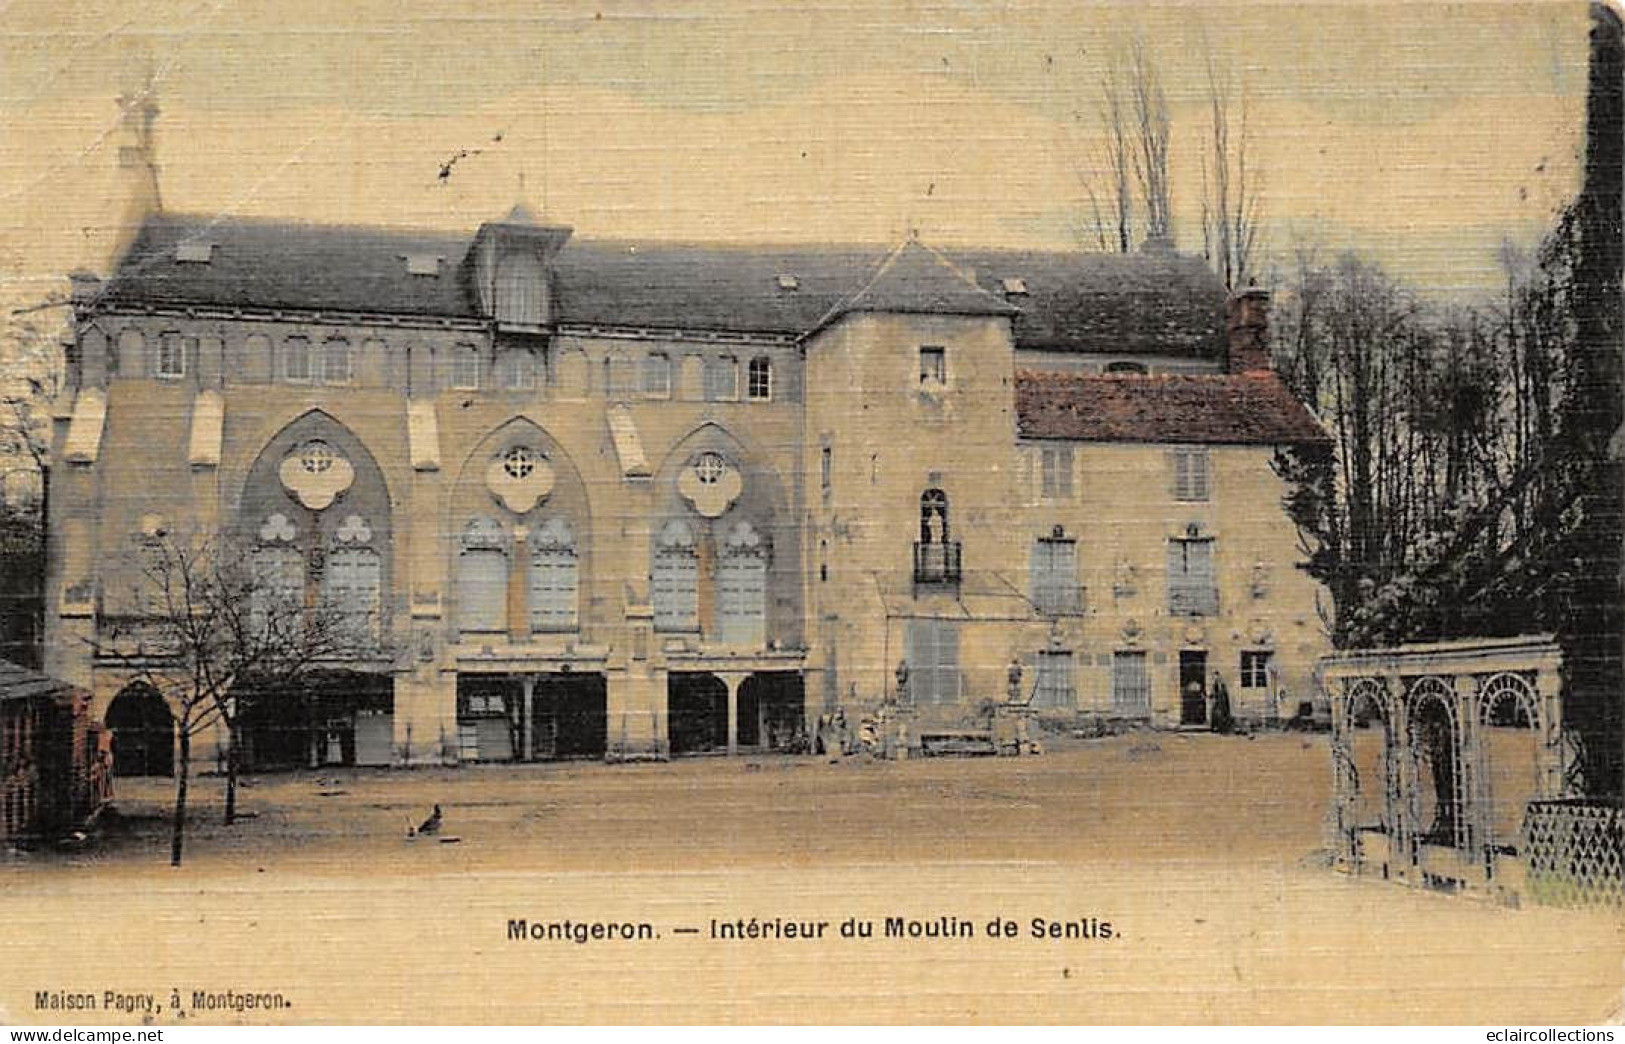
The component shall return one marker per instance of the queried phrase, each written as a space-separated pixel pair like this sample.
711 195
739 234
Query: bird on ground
428 826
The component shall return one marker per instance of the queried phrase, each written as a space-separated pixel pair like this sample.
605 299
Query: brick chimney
1247 328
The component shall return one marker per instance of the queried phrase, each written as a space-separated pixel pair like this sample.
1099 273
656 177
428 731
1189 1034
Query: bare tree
1152 129
1127 175
1108 179
211 633
1231 202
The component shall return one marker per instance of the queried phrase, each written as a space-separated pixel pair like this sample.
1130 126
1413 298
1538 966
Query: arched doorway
1509 761
143 732
1436 765
1370 766
696 713
772 712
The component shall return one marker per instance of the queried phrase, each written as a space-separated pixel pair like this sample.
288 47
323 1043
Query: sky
1423 135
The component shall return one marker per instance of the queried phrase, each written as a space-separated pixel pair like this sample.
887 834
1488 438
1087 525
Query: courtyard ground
1206 855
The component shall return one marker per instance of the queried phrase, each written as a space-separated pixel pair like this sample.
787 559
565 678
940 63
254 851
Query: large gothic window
277 590
742 588
553 577
482 579
352 591
676 587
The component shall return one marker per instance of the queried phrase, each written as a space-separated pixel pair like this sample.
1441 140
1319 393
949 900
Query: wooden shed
55 761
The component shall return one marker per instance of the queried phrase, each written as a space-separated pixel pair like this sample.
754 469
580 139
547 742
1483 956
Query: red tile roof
1220 408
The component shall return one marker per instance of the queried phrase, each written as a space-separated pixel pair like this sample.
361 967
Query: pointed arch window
554 577
675 589
742 588
482 579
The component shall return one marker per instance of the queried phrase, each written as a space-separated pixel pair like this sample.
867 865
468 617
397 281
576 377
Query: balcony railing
936 563
1060 599
1193 600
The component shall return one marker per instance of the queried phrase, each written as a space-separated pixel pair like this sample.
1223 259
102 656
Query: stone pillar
732 681
1473 817
1404 852
519 586
528 681
425 717
1553 752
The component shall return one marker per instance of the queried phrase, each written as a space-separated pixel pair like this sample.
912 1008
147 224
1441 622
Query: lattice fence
1576 853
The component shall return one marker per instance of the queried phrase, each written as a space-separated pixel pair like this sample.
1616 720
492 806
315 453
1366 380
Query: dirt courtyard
1142 878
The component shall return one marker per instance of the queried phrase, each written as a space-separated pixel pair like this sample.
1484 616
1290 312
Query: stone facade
623 501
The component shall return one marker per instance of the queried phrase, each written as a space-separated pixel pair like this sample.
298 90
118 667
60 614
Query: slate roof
20 683
1163 304
917 279
1220 409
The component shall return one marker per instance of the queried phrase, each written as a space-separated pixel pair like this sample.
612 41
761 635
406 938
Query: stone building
643 499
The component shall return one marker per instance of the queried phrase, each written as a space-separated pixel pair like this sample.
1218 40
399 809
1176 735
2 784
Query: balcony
1060 599
1193 600
936 563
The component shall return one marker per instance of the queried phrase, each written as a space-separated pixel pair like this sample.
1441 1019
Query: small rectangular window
296 359
336 365
1255 669
465 368
761 379
172 355
721 379
1054 569
933 365
620 378
657 375
1053 686
1056 472
1131 686
1192 476
826 469
1191 591
518 370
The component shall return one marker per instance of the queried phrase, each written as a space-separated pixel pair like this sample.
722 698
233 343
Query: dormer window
788 282
521 290
423 264
1014 286
193 252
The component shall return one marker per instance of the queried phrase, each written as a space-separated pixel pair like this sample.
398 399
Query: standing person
1221 721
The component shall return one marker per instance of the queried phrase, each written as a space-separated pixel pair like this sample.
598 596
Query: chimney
1247 327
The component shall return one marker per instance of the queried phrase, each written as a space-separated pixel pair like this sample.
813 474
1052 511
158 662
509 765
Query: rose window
316 458
519 462
710 468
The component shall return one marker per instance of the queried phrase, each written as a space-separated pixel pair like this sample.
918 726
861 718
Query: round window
316 458
519 462
710 468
